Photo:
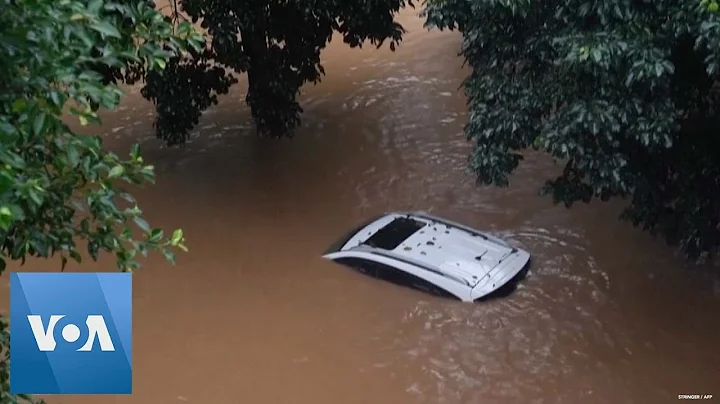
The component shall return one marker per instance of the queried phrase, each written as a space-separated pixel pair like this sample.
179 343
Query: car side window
360 264
393 275
400 277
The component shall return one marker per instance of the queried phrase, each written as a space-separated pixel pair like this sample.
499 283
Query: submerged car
430 253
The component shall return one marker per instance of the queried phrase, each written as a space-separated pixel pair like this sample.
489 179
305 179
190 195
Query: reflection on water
252 314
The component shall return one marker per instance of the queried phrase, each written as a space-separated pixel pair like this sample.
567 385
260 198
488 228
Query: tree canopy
276 43
623 92
58 188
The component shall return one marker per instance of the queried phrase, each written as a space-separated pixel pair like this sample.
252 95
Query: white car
430 253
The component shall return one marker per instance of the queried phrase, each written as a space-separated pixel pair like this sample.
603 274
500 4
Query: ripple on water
513 348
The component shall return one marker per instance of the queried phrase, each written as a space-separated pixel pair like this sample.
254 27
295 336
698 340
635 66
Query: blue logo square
71 333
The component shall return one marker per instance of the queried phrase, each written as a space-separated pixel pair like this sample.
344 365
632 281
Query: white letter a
96 327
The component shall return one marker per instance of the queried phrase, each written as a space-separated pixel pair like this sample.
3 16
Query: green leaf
135 151
659 70
142 224
73 156
82 33
56 99
76 256
6 128
116 171
132 265
35 197
105 28
7 183
176 237
155 236
19 105
39 123
19 248
85 226
39 245
5 222
95 6
161 63
169 256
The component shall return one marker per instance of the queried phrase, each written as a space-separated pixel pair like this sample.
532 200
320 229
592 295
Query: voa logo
45 338
71 333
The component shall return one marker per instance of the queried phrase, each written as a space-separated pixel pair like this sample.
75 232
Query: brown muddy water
252 314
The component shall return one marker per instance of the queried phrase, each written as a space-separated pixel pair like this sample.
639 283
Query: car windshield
394 233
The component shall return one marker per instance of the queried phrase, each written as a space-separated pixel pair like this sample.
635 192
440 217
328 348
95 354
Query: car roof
433 243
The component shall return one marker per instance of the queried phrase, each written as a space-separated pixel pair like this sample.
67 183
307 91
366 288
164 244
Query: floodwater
252 314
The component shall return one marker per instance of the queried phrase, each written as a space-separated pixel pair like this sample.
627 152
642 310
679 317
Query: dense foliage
57 187
276 43
621 91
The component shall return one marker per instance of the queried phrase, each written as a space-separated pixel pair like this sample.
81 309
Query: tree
48 174
622 91
278 45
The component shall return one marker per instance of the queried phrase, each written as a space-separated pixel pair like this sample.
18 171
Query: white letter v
44 338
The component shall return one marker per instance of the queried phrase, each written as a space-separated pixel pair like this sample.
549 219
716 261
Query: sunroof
394 233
